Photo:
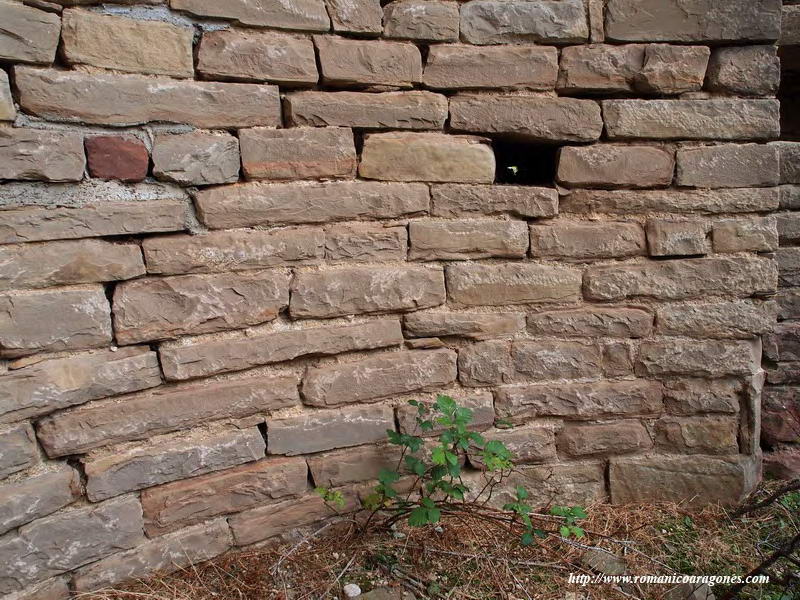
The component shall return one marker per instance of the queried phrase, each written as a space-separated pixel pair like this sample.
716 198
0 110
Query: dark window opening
789 92
525 164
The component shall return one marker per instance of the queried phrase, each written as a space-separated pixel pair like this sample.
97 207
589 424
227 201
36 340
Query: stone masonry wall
236 236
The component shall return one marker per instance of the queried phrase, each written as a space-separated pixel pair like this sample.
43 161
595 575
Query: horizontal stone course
307 15
348 62
365 242
606 165
475 284
464 200
463 324
566 240
35 154
467 239
421 20
592 322
728 165
738 319
29 35
500 22
705 358
619 437
196 158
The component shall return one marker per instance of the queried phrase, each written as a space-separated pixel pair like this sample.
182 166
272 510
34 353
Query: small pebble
351 590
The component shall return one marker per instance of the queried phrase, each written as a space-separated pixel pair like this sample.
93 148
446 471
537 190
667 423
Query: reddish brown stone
114 157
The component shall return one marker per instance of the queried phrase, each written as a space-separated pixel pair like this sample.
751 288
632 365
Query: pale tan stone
694 395
37 154
304 15
18 449
8 112
467 239
676 237
745 70
758 234
544 360
592 322
365 243
729 165
470 325
512 22
565 483
29 35
346 62
196 158
51 589
486 363
424 20
356 16
697 435
673 69
698 358
611 166
464 200
499 284
736 319
527 444
619 437
588 240
354 465
600 68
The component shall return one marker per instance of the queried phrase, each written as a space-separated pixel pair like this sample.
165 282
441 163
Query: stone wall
236 236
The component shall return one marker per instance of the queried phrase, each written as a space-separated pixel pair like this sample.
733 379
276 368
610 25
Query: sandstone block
738 319
8 112
712 119
697 435
29 35
499 284
124 44
673 69
220 251
701 358
49 491
618 359
691 396
675 237
356 16
317 430
318 294
619 437
745 70
51 589
790 19
247 55
479 402
565 483
181 503
759 234
486 363
58 383
41 155
128 470
471 325
346 62
789 304
387 110
69 318
463 200
298 153
459 66
542 21
788 262
692 21
305 15
610 166
544 360
788 227
467 239
421 20
729 165
528 444
115 157
248 204
676 280
592 323
102 99
790 197
365 243
196 158
600 68
588 240
529 117
165 409
18 449
353 465
211 357
783 344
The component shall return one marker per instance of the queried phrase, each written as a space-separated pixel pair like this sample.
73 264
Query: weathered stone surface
745 70
500 22
528 444
69 318
728 165
690 396
788 227
208 358
379 377
37 496
673 69
319 294
220 251
788 260
459 66
611 166
129 470
167 307
701 358
162 555
738 319
789 304
784 343
123 44
29 35
175 505
692 479
783 463
467 239
588 240
58 383
388 110
692 20
676 237
8 112
790 25
592 322
600 68
759 234
306 15
471 325
529 117
697 435
601 439
18 449
283 203
134 99
68 540
346 62
36 154
356 16
473 200
52 589
675 280
354 465
499 284
486 363
780 423
577 482
480 402
790 197
298 153
162 410
427 157
116 157
365 243
250 55
64 263
544 360
712 119
317 430
196 158
580 400
421 20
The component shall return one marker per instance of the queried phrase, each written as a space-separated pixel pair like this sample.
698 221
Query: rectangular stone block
461 66
17 449
467 239
245 55
678 237
471 325
317 294
37 496
129 470
711 119
588 240
317 430
528 444
165 409
691 396
359 16
51 589
580 483
530 117
29 35
697 435
106 99
71 318
304 15
54 384
500 284
364 242
421 20
513 22
788 262
220 251
210 357
671 70
181 503
36 154
700 358
353 465
486 363
788 227
729 166
790 19
759 234
789 154
783 344
789 304
544 359
738 319
611 166
463 200
346 62
592 323
123 44
600 68
8 112
480 402
249 204
377 377
196 158
602 439
745 70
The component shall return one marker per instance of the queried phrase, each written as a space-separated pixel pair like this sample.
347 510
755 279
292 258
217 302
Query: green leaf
426 425
522 493
418 517
434 514
527 539
579 513
564 531
438 456
577 531
427 502
394 437
451 458
388 477
415 465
